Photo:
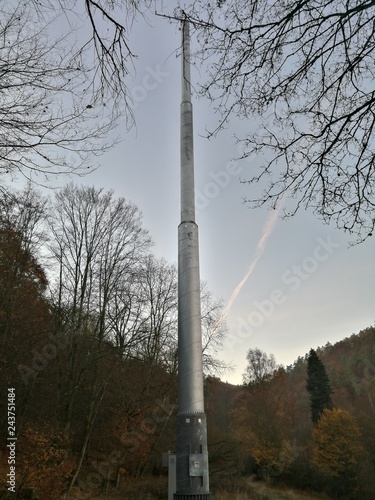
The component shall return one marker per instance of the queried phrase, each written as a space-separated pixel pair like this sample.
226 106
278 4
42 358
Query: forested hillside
336 455
88 341
88 358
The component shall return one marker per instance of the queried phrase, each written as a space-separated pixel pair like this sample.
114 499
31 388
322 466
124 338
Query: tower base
192 458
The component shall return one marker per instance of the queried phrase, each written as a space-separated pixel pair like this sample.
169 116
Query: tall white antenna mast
192 476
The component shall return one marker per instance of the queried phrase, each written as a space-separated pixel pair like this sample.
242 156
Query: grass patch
284 493
233 488
221 487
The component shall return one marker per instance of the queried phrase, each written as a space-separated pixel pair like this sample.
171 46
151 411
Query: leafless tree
142 314
144 318
126 319
98 240
159 297
106 27
63 69
260 366
97 243
25 212
214 331
304 70
160 309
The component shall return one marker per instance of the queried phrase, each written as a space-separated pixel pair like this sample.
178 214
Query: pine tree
318 386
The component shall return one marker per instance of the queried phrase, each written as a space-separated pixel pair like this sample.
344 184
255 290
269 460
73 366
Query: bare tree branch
63 83
306 70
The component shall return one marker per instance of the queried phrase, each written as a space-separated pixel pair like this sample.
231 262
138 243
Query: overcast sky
307 288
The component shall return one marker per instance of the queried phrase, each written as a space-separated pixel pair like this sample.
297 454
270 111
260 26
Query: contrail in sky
267 230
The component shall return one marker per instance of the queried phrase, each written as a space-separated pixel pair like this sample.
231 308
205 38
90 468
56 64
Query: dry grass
278 493
222 488
147 488
233 488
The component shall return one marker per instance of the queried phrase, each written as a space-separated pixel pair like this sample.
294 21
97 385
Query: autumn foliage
337 450
263 417
91 353
44 460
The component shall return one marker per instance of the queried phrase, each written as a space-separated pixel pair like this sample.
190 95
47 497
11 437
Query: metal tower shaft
192 474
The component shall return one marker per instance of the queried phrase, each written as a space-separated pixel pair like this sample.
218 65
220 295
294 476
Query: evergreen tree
318 386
